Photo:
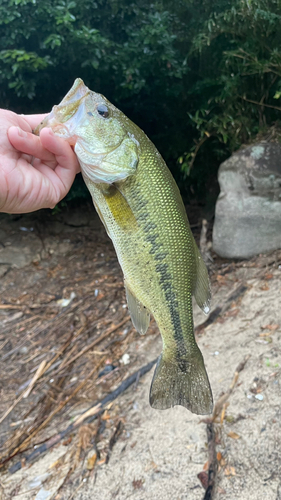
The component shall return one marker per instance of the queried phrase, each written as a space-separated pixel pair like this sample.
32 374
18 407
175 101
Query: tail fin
181 382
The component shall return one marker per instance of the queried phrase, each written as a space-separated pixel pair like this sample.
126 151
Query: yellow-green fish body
140 205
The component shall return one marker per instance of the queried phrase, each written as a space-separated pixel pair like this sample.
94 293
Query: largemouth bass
141 208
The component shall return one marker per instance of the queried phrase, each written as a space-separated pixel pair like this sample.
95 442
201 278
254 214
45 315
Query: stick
211 435
57 410
96 341
113 439
10 306
40 370
43 369
211 438
259 103
222 400
91 414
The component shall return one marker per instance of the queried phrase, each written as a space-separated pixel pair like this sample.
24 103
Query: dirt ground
66 339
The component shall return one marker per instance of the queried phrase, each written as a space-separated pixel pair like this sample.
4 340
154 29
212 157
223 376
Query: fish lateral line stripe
170 296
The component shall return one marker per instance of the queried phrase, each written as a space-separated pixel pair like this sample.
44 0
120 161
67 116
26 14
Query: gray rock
4 269
248 209
20 250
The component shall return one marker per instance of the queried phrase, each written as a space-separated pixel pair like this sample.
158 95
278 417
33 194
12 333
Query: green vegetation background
200 77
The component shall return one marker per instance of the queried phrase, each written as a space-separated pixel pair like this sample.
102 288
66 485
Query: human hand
35 172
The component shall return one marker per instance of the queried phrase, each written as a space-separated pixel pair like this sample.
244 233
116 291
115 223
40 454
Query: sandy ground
160 453
165 451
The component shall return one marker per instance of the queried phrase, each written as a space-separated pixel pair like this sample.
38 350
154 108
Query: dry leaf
85 435
232 313
229 471
264 287
67 441
272 327
221 280
137 484
266 334
256 390
233 435
92 460
219 456
105 416
206 466
223 413
203 477
102 461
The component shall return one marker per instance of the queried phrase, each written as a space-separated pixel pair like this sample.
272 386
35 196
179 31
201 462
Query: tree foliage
199 77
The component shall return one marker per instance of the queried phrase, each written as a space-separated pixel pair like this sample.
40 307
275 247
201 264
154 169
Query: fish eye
102 110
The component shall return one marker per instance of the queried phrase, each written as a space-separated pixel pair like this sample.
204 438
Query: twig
211 438
198 146
37 375
25 394
26 442
4 343
278 497
211 435
95 342
90 415
52 365
77 489
222 400
259 103
43 367
113 439
11 408
10 306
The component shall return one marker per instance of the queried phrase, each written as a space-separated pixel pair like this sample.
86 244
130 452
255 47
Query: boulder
248 209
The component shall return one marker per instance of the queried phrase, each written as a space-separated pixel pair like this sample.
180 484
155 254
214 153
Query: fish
140 206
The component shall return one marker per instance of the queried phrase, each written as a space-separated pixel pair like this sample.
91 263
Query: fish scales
153 250
144 216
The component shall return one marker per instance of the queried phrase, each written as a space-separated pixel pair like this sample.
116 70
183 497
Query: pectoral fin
138 312
119 207
101 217
202 290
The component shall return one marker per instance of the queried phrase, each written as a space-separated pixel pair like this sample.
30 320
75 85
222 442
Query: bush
199 77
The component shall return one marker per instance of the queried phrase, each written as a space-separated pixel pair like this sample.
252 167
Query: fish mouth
63 112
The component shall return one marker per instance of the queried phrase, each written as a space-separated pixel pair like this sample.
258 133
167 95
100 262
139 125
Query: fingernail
21 132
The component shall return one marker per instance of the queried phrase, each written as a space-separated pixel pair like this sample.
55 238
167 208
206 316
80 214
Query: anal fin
139 314
202 290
